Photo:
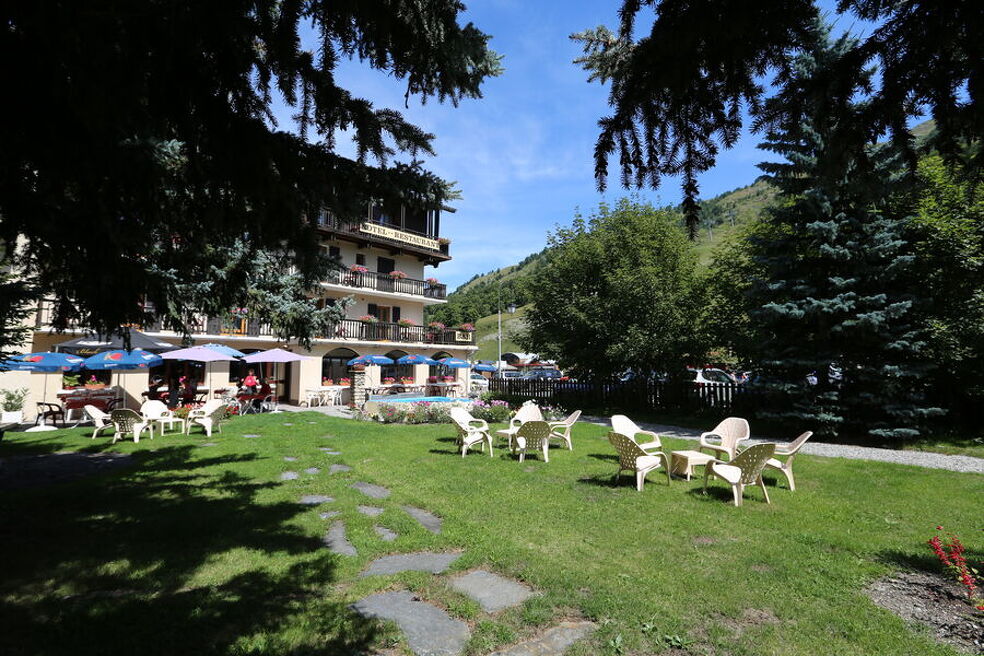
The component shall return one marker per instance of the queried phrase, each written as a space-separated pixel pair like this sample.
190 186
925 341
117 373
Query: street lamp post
511 308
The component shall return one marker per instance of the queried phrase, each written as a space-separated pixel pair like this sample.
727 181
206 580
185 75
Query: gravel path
965 464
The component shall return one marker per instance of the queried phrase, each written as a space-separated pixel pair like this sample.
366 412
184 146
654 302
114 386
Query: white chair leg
737 491
764 491
788 471
640 479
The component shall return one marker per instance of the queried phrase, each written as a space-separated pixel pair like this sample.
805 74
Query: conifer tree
835 331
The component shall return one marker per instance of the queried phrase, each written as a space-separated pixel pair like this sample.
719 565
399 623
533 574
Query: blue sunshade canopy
417 359
454 363
481 366
367 360
225 350
120 359
48 362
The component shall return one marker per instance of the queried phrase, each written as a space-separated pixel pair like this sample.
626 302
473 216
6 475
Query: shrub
491 411
13 400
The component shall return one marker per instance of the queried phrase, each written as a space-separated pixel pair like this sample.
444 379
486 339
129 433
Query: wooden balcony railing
383 282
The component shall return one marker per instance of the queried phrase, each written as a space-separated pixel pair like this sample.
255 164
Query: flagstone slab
384 533
371 511
552 642
427 519
290 459
312 470
336 541
334 469
418 561
250 435
315 499
210 444
492 592
371 489
329 451
329 514
288 424
429 630
289 476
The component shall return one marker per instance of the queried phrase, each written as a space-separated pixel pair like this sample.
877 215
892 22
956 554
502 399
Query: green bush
13 400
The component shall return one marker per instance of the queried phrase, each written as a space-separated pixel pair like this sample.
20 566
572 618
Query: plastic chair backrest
535 432
153 409
124 419
624 426
752 461
94 413
731 431
795 445
572 418
627 450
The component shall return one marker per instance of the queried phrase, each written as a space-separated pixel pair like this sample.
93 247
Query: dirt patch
761 568
48 469
932 601
749 617
703 540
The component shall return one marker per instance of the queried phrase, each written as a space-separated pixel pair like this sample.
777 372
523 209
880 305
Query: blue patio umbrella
417 359
481 366
225 350
46 362
369 360
120 359
454 363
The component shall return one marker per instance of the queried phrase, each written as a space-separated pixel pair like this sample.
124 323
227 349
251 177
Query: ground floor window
396 371
436 371
334 364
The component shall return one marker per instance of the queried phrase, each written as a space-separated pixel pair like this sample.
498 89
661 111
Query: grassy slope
487 331
202 550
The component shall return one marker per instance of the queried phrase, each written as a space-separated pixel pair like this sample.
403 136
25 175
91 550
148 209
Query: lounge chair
561 430
100 420
731 431
632 457
527 412
745 469
471 431
789 450
127 422
532 437
625 426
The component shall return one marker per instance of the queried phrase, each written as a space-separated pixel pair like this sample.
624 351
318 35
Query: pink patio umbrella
199 354
276 356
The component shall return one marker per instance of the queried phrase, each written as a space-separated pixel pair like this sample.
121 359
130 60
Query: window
386 213
385 264
360 258
334 364
334 252
415 220
394 370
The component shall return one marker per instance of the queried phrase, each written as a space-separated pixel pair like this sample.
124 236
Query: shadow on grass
607 457
924 562
138 561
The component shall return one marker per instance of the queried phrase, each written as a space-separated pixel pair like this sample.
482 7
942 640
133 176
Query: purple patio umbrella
276 356
199 354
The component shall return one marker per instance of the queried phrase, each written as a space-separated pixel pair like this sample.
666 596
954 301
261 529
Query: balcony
346 330
382 282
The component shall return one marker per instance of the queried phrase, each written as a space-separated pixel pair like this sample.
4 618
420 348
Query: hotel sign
399 235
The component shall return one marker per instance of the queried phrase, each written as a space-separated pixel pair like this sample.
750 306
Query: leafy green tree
146 144
617 290
678 90
836 293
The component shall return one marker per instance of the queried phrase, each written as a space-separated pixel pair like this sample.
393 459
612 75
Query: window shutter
396 313
373 309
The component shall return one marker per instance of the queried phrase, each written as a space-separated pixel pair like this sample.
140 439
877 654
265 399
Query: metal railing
383 282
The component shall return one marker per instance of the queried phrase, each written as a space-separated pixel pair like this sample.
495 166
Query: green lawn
199 550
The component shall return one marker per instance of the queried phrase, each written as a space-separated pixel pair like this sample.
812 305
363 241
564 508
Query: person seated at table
189 387
152 390
250 382
265 389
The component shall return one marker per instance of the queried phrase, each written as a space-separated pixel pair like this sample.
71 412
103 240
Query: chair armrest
648 446
714 447
480 424
651 434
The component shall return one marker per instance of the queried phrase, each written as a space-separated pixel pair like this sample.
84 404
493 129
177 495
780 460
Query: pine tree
836 334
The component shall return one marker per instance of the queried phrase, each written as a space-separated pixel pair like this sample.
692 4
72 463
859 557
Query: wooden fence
638 395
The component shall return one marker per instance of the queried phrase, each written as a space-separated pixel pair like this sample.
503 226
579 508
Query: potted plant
326 382
396 274
407 380
467 327
70 381
406 323
389 380
93 383
447 379
13 405
358 268
344 381
432 379
368 318
436 327
432 282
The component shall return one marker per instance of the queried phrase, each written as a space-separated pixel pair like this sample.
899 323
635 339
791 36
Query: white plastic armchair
157 412
212 420
207 409
561 430
100 419
625 426
471 431
789 450
527 412
631 457
730 432
127 421
532 436
745 469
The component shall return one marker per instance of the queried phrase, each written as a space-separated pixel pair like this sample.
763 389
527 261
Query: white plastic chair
100 419
208 417
561 430
731 431
157 412
471 431
789 450
625 426
532 436
126 421
527 412
632 457
745 469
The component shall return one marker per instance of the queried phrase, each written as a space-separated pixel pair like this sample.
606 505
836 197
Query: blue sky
522 155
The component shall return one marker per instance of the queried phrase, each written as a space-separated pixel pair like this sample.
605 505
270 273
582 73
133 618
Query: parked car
710 375
508 373
543 374
479 381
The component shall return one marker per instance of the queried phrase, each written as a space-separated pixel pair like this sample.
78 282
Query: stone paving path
553 642
290 459
289 476
384 533
966 464
492 592
329 451
428 520
420 561
250 435
370 489
312 470
371 511
315 499
429 630
334 469
329 514
337 542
